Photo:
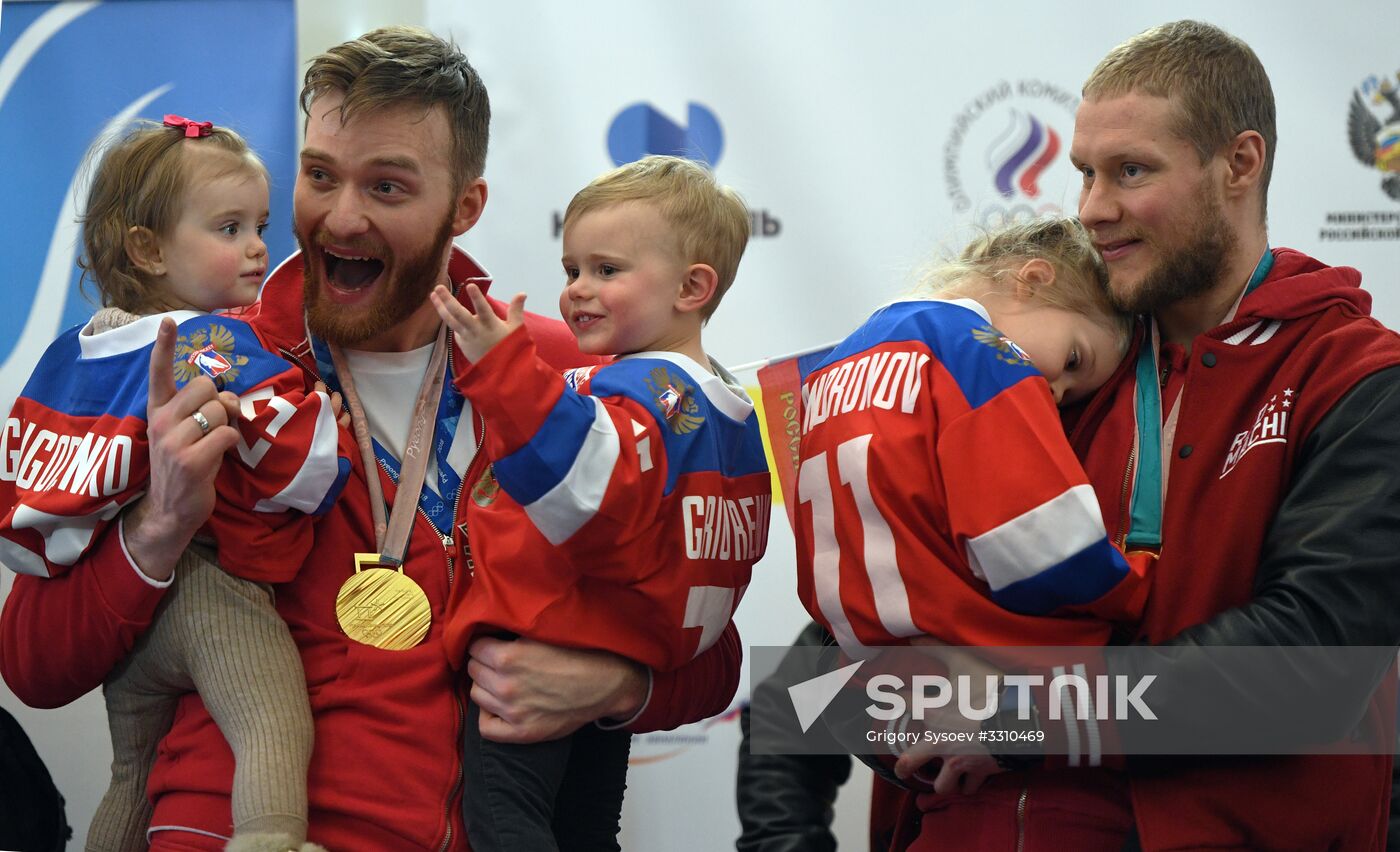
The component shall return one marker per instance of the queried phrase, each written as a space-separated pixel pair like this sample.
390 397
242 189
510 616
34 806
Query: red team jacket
386 771
1305 337
73 451
624 507
939 497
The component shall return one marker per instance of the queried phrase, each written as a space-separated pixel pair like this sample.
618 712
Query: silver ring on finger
201 421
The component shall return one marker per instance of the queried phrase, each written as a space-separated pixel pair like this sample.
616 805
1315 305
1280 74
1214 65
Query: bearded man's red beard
402 284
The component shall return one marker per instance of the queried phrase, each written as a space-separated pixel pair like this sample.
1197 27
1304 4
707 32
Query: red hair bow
193 129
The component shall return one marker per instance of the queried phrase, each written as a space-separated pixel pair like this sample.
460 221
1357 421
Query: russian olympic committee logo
1005 157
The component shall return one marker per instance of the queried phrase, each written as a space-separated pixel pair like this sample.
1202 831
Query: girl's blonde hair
141 181
990 262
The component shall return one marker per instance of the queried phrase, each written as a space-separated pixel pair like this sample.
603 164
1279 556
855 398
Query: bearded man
397 123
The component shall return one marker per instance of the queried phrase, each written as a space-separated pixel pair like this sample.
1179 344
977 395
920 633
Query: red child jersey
938 496
73 451
624 508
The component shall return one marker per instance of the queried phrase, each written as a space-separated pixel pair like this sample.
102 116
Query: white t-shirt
388 384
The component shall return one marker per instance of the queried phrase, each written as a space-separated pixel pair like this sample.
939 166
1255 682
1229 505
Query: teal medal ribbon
1149 495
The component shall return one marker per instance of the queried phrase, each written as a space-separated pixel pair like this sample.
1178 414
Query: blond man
1271 397
1250 440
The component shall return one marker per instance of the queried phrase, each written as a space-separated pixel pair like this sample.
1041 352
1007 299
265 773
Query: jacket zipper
1121 537
457 696
1021 819
447 553
446 541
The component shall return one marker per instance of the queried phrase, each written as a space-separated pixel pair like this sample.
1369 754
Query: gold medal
379 604
382 607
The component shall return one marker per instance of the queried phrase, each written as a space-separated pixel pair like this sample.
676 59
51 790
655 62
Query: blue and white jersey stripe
561 475
1052 556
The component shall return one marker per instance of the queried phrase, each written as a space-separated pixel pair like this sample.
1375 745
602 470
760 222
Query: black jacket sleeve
785 801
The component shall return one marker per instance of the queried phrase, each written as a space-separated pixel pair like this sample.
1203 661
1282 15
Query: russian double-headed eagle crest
1376 142
486 488
675 400
208 352
1006 349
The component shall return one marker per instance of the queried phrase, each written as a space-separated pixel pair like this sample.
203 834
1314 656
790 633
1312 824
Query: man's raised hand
189 432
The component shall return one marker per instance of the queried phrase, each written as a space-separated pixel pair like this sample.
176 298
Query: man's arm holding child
529 691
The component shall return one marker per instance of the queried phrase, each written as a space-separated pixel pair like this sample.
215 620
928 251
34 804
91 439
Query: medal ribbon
437 506
1154 438
391 536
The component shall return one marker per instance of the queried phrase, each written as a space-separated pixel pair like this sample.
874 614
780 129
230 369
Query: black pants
565 794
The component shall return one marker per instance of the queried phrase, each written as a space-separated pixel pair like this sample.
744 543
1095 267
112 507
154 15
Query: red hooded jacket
1243 471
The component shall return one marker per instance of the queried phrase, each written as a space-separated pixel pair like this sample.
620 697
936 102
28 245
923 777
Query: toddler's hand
477 332
342 414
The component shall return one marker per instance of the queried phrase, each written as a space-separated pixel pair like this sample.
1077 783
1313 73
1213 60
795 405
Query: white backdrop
872 134
866 137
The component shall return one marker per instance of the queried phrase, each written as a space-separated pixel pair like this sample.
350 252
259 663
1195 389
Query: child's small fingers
515 314
449 308
484 312
231 404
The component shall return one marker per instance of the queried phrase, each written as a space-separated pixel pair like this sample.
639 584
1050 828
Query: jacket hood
1299 286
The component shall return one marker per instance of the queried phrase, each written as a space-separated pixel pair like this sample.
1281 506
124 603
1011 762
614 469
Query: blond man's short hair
710 220
1217 81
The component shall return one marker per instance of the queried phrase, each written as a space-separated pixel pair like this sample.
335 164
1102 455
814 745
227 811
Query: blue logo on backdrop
641 129
77 71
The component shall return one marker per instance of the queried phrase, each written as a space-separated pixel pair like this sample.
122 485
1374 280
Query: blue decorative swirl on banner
71 70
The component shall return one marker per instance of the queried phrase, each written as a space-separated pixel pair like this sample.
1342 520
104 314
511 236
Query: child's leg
248 672
140 707
588 810
508 795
